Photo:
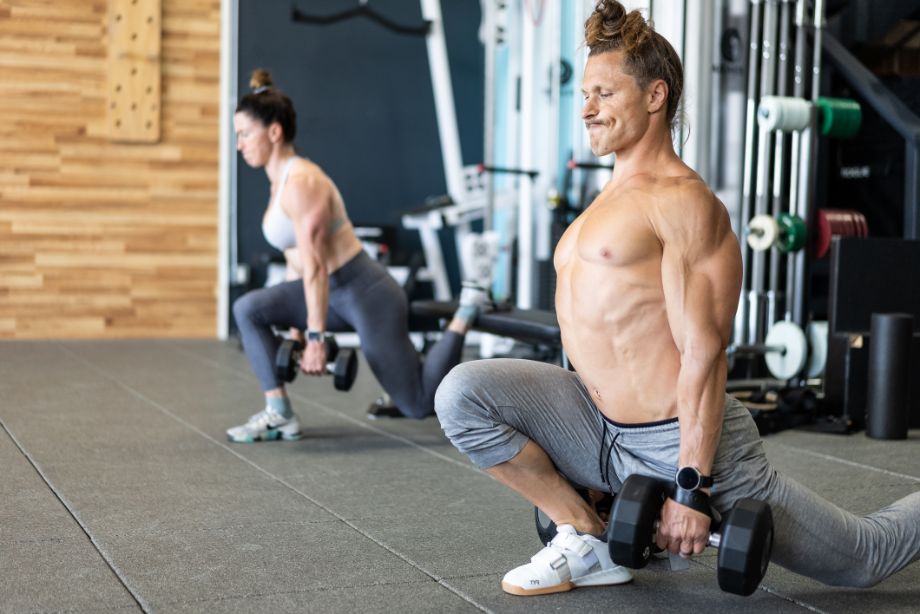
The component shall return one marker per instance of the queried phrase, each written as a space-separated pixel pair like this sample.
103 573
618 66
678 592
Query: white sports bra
278 227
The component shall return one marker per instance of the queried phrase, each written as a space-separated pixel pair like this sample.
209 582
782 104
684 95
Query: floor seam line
141 603
844 461
339 414
278 479
771 591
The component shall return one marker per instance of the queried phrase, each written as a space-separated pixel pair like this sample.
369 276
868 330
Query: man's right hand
682 530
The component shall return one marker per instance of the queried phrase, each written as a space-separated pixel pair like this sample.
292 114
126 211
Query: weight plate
791 234
823 234
816 332
783 113
789 362
762 232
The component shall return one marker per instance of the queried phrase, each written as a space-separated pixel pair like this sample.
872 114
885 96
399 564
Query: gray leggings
489 409
362 297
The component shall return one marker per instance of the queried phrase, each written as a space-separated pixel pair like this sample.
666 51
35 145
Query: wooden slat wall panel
101 239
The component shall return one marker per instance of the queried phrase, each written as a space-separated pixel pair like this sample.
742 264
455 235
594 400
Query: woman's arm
306 202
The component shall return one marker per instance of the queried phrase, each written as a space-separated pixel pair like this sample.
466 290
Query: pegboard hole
149 89
134 36
118 87
118 17
133 71
133 106
118 123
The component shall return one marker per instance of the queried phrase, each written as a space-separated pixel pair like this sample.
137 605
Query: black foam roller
889 358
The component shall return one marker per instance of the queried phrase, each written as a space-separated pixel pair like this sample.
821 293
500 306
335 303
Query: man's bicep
689 287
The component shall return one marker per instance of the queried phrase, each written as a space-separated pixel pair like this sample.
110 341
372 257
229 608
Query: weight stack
887 409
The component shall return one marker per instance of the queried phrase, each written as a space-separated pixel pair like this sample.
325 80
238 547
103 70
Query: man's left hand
682 530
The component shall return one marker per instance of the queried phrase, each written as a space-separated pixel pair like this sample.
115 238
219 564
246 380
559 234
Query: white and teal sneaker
267 425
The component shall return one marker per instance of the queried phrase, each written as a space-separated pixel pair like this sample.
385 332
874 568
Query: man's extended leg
813 537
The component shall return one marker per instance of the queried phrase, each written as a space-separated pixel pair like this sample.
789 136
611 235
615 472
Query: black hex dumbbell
744 537
341 364
546 528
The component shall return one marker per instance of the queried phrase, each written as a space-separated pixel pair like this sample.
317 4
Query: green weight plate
840 117
792 233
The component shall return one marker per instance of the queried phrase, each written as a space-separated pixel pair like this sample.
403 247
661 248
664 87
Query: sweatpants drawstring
603 462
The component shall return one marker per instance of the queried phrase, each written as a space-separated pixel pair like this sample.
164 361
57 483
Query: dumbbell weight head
345 370
745 543
762 232
332 349
631 530
287 359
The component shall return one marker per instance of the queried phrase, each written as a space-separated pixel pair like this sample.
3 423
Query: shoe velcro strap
572 543
555 561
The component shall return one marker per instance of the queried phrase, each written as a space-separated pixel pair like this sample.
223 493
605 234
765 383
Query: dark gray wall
365 106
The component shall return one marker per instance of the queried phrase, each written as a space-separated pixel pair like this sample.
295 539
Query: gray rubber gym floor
120 493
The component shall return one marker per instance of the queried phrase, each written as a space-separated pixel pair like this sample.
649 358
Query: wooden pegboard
133 101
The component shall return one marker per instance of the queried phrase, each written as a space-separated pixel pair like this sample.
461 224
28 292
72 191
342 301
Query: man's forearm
701 405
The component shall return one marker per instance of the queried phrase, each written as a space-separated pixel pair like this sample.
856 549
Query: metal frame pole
779 156
795 262
444 100
743 313
762 197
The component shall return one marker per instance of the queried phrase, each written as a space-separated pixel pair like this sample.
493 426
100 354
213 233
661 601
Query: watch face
688 478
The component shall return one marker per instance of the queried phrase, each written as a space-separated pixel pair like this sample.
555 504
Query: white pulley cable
762 232
783 113
787 350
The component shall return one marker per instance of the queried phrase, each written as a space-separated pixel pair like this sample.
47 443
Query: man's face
252 139
615 109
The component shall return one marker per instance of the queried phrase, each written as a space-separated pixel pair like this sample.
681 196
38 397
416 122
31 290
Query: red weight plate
823 239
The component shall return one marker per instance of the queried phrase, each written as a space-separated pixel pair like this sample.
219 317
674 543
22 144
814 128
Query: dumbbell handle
298 354
715 538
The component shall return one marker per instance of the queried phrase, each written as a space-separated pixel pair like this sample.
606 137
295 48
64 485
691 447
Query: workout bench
533 326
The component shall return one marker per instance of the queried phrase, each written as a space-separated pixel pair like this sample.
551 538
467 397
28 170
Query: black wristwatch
316 335
691 478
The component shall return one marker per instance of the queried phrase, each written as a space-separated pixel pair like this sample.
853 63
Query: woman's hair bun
260 78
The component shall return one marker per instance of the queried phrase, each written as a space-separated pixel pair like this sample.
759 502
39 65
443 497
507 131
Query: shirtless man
648 279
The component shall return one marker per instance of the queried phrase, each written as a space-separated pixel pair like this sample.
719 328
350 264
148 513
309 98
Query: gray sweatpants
362 297
489 409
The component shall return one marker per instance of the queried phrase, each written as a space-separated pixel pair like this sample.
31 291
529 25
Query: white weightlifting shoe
568 561
267 425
